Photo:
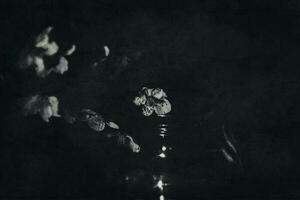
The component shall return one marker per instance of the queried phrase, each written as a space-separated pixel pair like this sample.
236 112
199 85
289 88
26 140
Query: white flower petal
147 110
112 125
71 50
43 38
50 48
62 66
163 108
106 51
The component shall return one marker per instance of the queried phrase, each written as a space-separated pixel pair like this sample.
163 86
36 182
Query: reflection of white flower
147 110
96 123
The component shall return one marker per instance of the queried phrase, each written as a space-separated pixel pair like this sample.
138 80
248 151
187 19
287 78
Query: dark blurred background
232 63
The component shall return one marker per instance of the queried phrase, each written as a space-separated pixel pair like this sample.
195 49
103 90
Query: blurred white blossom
112 125
62 66
97 123
46 107
50 48
43 39
34 55
71 50
106 51
39 65
132 145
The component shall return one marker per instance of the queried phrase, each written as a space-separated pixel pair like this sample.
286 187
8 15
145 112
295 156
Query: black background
233 63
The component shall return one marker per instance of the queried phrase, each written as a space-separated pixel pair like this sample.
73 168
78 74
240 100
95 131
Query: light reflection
163 125
106 50
161 197
164 148
162 115
162 135
163 129
162 155
160 184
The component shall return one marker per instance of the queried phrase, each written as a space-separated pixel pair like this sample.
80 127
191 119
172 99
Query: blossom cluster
153 101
